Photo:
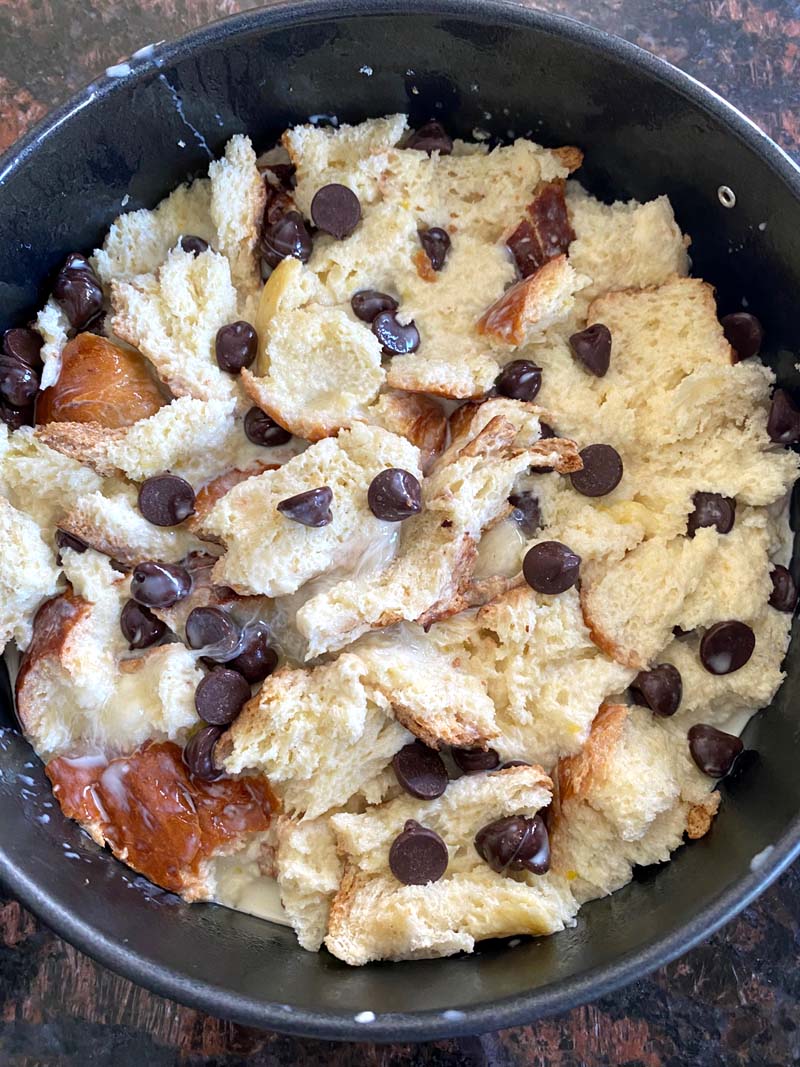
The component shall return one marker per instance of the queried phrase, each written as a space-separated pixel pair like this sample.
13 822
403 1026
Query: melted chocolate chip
312 508
261 429
213 630
166 499
551 567
67 540
159 585
420 771
436 243
288 236
744 333
601 473
475 760
784 592
397 340
140 627
336 210
193 244
19 382
783 421
15 417
24 345
256 660
592 347
418 855
726 647
432 137
77 291
236 346
198 755
515 843
659 689
369 303
713 750
520 380
394 495
711 509
527 513
220 696
546 431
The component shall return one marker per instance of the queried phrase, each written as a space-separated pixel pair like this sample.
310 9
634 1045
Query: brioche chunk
309 872
28 574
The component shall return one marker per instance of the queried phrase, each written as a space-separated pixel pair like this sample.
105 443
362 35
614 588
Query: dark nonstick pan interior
646 129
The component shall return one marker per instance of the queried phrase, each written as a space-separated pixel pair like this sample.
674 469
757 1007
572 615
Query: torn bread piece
53 324
309 871
625 799
419 418
374 916
532 305
28 574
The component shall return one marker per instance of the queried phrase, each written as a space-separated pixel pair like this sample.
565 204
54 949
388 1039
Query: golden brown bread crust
83 441
574 773
522 305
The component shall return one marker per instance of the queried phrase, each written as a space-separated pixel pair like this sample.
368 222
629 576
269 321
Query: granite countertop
733 1000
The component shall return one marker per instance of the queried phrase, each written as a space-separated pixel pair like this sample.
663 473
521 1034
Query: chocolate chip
213 630
601 473
284 173
783 421
546 431
25 345
513 763
515 843
397 340
261 429
166 499
592 347
15 417
659 689
312 508
68 540
436 243
711 509
193 244
527 513
394 495
420 771
726 647
432 137
159 585
139 626
784 591
198 754
520 380
236 346
418 855
336 210
286 237
19 382
475 760
551 567
368 303
744 333
256 660
220 696
713 750
77 291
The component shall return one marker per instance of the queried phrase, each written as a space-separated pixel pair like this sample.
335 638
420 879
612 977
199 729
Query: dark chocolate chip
515 843
256 660
288 236
475 760
77 291
432 137
546 431
15 417
601 473
520 379
312 508
678 631
193 244
261 429
68 540
213 630
394 494
713 750
744 333
166 499
527 513
369 303
19 382
418 855
159 585
220 696
336 210
783 421
711 509
139 626
659 689
784 591
592 347
25 345
551 567
436 243
198 755
397 340
727 646
513 763
236 346
420 771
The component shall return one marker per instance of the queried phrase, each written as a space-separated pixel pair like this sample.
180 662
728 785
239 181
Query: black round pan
646 129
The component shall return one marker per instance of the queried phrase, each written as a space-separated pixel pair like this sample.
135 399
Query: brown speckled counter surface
734 1000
